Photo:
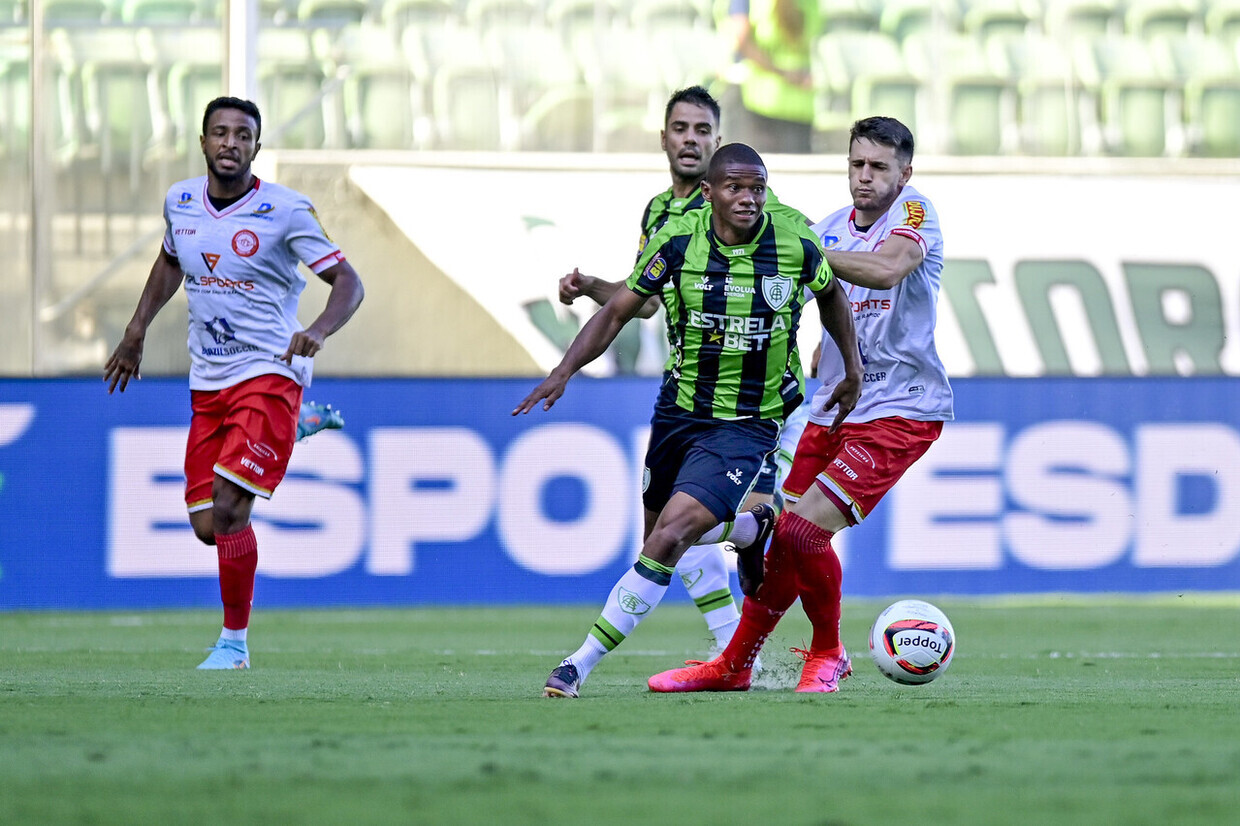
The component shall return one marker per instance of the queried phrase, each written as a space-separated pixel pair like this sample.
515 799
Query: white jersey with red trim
241 278
903 374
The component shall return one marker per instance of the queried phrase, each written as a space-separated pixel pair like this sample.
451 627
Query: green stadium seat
986 18
401 13
851 15
290 90
1207 70
975 100
903 18
549 100
865 74
331 13
484 14
1138 101
467 108
1053 113
623 69
12 12
189 64
155 12
1222 20
74 12
1069 19
384 103
1148 18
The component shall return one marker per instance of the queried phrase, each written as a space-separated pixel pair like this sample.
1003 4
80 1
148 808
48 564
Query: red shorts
244 433
856 465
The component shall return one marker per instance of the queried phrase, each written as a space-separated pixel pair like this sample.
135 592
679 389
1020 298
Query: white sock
634 596
704 571
234 634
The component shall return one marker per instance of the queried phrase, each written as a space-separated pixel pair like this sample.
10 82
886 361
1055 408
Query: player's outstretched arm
161 285
837 319
343 300
591 342
881 269
575 284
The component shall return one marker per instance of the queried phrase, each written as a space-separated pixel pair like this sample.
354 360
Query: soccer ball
912 642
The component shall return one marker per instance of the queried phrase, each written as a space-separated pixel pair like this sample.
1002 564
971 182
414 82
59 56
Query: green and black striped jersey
665 206
732 313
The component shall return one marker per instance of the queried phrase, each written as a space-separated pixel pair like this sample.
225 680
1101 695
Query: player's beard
239 175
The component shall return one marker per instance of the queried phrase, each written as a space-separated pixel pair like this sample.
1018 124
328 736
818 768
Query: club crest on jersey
245 243
776 290
914 214
211 259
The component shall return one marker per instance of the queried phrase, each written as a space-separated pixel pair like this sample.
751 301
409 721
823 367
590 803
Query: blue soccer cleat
315 417
226 655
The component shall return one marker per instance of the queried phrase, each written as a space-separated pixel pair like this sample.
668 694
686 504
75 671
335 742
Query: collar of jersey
740 250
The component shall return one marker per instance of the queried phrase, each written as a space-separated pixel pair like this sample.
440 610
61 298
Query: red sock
820 577
760 615
238 553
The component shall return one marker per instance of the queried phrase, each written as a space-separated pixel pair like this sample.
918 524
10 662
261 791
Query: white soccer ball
912 642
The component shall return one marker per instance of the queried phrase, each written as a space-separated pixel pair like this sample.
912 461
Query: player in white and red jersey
235 242
887 251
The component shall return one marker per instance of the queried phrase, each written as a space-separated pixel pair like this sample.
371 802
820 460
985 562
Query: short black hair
249 107
696 95
886 132
732 153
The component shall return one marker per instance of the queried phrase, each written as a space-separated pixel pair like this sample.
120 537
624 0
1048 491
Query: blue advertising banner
435 494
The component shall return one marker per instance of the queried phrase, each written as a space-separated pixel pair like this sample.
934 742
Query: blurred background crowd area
1129 78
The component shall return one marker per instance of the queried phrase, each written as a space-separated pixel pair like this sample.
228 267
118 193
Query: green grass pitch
1057 710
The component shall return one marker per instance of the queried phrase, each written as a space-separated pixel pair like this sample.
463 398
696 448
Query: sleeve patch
914 214
655 269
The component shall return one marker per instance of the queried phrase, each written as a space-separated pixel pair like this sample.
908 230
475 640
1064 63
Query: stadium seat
1054 114
113 98
865 74
291 90
973 98
1148 18
622 68
1069 19
1222 20
330 13
652 15
155 12
851 15
14 98
550 101
1207 71
384 105
1138 102
903 18
572 17
189 64
401 13
74 12
12 12
467 106
986 18
484 14
692 57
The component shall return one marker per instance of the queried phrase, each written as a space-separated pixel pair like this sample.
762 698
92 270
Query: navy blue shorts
716 462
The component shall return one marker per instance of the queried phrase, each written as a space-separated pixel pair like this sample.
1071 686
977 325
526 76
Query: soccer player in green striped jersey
733 279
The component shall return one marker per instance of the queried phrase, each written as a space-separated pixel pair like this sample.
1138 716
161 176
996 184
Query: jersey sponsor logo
736 332
245 243
829 241
730 288
776 290
656 268
185 200
641 243
246 461
848 471
261 450
211 259
859 453
704 285
736 476
184 231
871 305
219 282
263 211
914 214
221 331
